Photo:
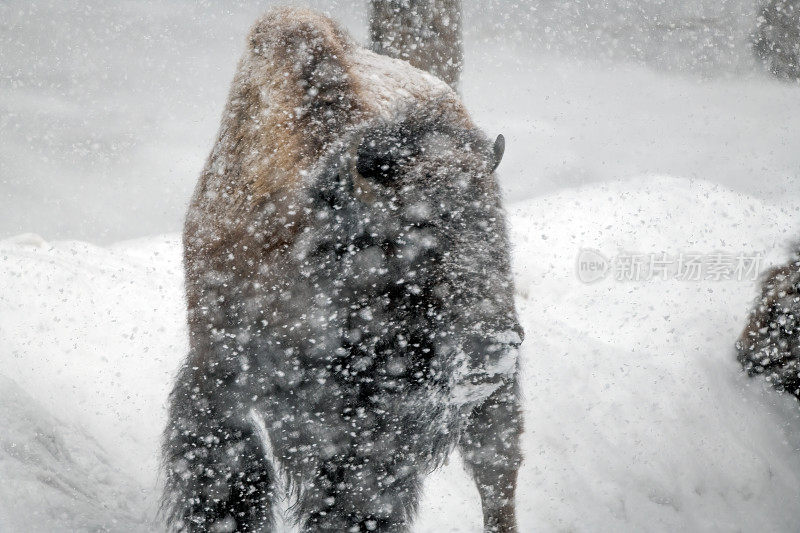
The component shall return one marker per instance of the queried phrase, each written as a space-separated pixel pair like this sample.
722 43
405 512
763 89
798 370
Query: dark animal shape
350 299
770 344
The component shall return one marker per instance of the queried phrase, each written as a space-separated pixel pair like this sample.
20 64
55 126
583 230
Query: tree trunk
426 33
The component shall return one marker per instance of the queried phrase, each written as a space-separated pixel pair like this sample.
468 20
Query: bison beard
350 297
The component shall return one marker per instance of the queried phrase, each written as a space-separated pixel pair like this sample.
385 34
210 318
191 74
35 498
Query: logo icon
592 265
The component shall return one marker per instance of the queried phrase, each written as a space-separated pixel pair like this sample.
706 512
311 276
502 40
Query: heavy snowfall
633 130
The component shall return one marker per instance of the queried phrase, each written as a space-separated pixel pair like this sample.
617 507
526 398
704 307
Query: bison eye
381 154
375 165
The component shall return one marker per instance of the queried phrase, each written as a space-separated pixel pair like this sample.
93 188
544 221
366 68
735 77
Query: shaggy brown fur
349 294
297 60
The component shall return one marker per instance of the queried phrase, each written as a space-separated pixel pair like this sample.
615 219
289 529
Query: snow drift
56 476
637 415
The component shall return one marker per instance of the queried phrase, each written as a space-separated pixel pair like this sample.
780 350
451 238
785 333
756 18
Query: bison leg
217 475
490 448
352 494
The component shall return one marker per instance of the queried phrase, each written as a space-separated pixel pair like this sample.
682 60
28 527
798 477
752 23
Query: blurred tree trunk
426 33
776 40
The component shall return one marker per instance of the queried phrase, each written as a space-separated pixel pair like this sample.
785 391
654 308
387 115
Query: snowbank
636 413
92 335
57 477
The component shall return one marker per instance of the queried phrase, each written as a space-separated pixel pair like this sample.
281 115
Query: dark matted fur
770 344
350 299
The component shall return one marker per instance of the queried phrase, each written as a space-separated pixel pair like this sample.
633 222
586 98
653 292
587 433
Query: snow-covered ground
637 416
